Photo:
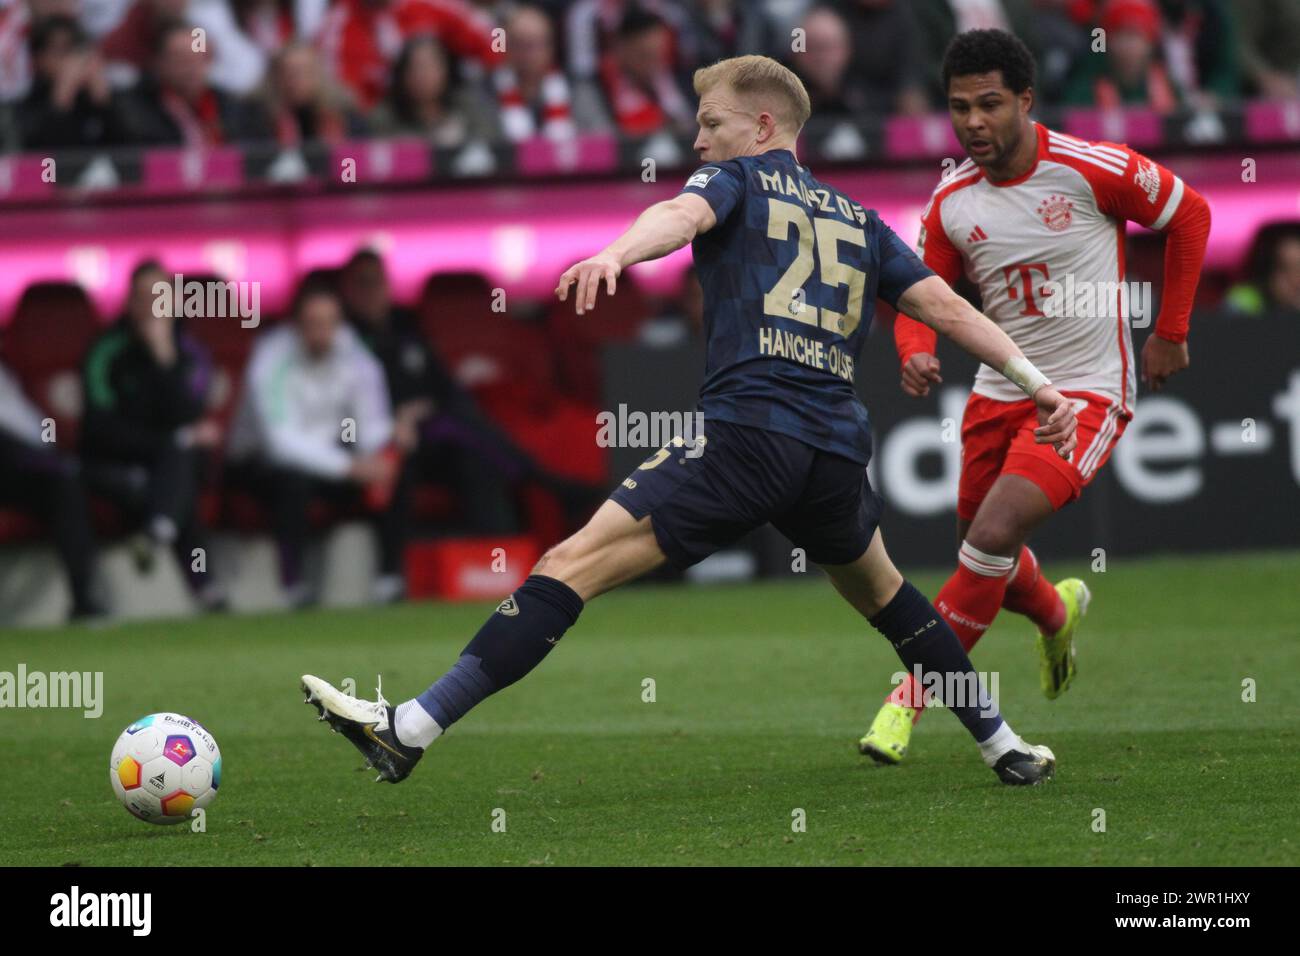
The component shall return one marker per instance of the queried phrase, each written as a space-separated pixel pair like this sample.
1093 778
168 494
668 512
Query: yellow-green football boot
886 741
1056 665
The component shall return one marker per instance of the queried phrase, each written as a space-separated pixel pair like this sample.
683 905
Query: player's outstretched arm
663 228
935 303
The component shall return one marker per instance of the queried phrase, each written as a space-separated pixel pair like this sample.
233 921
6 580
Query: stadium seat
613 320
44 343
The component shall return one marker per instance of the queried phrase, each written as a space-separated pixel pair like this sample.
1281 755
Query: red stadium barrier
469 569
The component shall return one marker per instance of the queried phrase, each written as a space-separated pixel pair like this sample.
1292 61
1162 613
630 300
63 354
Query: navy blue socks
522 631
921 637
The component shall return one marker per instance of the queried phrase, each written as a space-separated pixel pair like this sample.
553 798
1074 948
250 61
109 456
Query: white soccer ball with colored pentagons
164 767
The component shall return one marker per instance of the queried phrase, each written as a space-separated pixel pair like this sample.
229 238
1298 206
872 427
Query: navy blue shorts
742 477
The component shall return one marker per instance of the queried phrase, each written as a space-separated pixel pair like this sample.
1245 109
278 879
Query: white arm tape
1021 371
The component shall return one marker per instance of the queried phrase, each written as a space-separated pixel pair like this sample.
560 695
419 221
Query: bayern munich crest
1056 212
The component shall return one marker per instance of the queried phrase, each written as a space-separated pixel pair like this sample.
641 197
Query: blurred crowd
100 73
343 408
353 405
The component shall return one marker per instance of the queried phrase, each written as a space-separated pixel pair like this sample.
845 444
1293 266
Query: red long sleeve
1185 242
1153 196
937 251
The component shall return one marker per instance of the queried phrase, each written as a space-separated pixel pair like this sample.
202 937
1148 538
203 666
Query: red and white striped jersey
1047 252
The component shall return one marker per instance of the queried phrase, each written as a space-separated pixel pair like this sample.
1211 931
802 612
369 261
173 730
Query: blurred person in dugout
314 424
37 478
1271 286
146 438
439 429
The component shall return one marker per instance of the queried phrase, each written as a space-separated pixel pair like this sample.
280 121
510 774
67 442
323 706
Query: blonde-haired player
790 269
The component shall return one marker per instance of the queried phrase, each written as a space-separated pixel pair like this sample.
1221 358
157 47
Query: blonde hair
760 78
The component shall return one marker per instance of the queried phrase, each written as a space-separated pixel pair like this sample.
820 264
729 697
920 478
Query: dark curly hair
986 51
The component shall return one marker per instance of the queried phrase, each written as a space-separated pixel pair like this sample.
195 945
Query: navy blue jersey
791 273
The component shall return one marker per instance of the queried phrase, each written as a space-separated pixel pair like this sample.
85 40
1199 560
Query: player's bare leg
1056 610
1014 508
870 582
923 641
611 549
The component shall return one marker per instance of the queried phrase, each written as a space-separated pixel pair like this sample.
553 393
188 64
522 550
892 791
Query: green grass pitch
760 694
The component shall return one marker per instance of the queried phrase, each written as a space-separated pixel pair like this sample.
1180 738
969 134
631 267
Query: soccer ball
165 766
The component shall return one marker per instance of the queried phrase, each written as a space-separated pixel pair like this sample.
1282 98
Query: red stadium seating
43 345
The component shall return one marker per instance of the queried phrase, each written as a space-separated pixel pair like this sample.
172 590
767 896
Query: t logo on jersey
1020 284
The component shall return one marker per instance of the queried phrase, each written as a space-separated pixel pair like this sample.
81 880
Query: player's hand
918 372
1160 359
1056 421
588 274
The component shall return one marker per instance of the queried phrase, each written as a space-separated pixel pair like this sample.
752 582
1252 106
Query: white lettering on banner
1286 406
1165 431
906 444
1160 459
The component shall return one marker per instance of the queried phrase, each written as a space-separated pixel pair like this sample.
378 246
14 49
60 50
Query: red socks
970 600
1031 594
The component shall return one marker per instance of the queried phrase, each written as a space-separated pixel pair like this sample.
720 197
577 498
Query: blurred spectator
1272 274
314 423
638 80
100 17
1130 71
441 431
70 104
839 105
534 96
245 35
423 102
1268 34
1054 30
130 47
1057 34
888 58
144 438
15 60
16 20
304 104
362 38
591 29
173 104
717 29
1200 47
36 477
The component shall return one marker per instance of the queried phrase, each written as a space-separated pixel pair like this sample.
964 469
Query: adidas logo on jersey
976 235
